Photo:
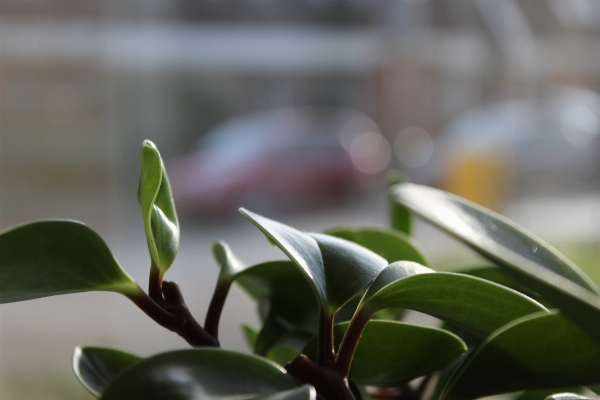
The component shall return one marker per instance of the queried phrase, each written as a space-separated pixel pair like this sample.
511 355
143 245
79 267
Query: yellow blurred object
486 177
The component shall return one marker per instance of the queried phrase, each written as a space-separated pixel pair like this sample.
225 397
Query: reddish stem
329 384
325 352
349 343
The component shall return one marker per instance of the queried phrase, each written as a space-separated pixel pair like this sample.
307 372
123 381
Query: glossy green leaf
544 393
496 275
391 245
494 236
336 269
568 396
401 218
280 354
390 353
230 265
472 304
529 259
305 392
95 367
57 257
349 269
594 388
539 351
205 373
158 209
502 277
285 290
290 307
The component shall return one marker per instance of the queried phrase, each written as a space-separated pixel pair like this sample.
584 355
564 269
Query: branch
328 383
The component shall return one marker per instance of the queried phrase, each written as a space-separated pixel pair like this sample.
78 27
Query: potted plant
332 311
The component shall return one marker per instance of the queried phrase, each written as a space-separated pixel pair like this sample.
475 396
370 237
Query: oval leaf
305 392
539 351
400 216
292 307
390 353
95 367
502 277
56 257
492 235
529 259
158 209
472 304
568 396
336 269
302 249
199 373
391 245
280 285
230 265
349 269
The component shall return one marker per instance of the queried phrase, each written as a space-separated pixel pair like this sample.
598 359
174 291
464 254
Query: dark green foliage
363 279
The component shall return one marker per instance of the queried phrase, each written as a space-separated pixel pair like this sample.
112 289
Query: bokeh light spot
413 147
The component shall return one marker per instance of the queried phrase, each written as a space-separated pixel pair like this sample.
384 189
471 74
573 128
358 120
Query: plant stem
155 284
325 352
174 316
190 329
213 315
349 343
329 384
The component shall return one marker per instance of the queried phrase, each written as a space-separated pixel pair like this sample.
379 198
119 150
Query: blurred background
295 109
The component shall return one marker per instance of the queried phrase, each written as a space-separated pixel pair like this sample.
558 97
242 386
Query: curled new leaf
57 257
95 367
158 210
204 373
528 258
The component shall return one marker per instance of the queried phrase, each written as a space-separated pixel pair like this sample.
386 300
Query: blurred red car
285 159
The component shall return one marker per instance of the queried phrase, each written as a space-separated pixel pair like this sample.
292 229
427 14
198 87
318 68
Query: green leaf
568 396
57 257
336 269
391 245
158 210
230 265
280 354
544 393
390 353
291 308
594 388
539 351
528 258
95 367
401 218
492 235
502 277
305 392
472 304
286 292
204 373
349 269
